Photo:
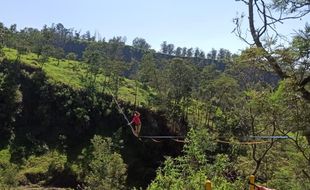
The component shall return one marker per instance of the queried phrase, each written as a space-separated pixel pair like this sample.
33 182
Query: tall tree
59 54
197 52
46 52
170 49
95 58
213 54
2 34
223 54
115 47
105 168
87 36
140 43
148 71
61 35
164 48
180 79
43 42
263 17
178 51
72 57
202 55
22 44
118 40
184 52
189 52
10 99
38 43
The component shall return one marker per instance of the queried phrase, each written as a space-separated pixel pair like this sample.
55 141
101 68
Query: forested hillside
65 98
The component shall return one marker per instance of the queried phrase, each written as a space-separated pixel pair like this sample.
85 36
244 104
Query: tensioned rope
122 112
241 142
178 139
133 131
162 137
175 138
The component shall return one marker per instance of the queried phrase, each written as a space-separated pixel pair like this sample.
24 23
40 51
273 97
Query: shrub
106 169
40 169
8 171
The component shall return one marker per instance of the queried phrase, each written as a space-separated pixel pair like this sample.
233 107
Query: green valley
71 104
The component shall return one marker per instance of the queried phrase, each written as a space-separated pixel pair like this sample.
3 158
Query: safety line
121 111
156 141
180 141
175 138
162 137
242 143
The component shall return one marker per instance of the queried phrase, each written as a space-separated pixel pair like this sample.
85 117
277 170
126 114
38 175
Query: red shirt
136 120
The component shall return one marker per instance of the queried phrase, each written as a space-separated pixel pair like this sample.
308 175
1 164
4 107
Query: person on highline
137 122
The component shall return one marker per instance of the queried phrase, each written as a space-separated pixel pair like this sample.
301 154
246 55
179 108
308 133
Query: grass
42 164
5 156
40 169
65 73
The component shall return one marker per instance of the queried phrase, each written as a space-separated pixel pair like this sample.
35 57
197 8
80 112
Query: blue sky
205 24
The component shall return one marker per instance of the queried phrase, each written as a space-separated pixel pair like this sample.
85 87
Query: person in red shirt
137 122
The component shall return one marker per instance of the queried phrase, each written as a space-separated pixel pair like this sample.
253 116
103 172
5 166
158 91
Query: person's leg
134 131
138 129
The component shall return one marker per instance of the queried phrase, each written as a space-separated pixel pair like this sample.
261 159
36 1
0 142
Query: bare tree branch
298 9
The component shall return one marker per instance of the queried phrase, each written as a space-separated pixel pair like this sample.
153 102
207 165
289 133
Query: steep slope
58 112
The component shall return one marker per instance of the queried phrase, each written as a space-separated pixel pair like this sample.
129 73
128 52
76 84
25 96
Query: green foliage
147 71
168 177
41 169
10 102
58 53
63 106
71 56
2 54
8 170
285 179
180 79
105 168
191 170
140 43
266 113
22 45
95 58
65 74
